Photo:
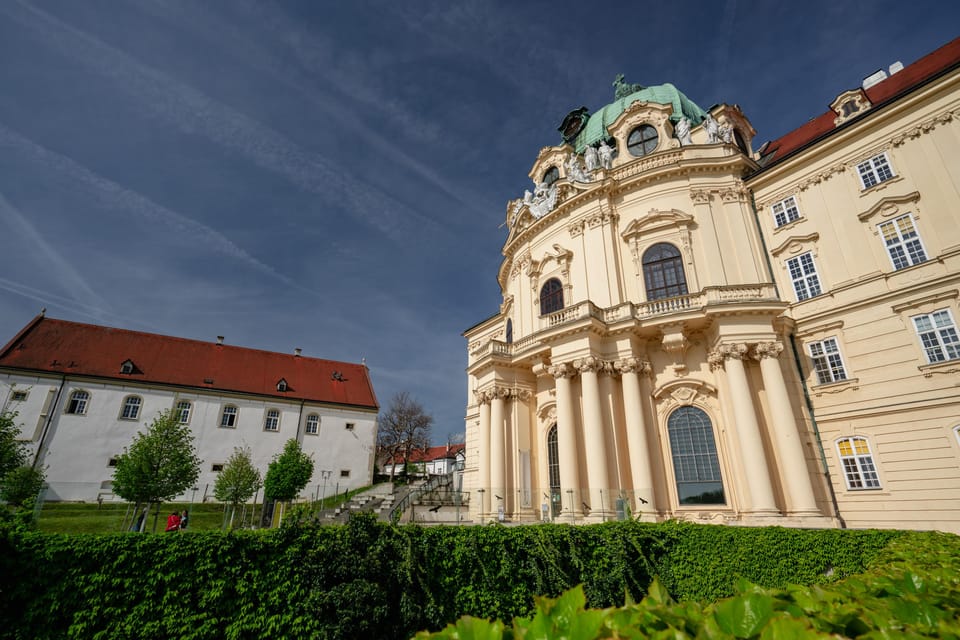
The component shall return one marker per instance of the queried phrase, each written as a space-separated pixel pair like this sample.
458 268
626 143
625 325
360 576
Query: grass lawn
113 517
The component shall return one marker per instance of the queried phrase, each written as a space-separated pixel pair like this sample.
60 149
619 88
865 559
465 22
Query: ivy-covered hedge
912 591
373 580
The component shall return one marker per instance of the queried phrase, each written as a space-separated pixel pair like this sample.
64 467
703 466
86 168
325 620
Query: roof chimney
219 339
296 352
874 78
895 67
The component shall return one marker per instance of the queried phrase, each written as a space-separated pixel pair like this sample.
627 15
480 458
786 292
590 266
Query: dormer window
849 104
282 385
127 367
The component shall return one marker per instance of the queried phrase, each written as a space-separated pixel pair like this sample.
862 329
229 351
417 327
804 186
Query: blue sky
333 175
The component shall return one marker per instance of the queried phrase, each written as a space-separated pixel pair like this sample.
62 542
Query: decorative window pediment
849 104
891 206
657 220
796 244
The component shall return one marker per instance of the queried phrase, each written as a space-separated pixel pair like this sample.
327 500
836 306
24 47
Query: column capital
588 364
561 370
496 392
728 351
767 350
633 365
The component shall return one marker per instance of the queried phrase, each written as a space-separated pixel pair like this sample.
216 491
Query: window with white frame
228 419
78 402
827 361
803 275
18 396
902 241
131 407
938 335
785 211
857 462
272 420
874 171
184 407
313 424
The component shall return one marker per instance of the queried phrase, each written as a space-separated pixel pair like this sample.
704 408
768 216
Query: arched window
857 462
313 425
551 297
131 408
272 420
509 336
695 463
642 140
550 176
78 402
663 272
553 470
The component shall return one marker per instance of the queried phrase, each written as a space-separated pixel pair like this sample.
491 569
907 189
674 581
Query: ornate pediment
656 220
638 113
849 104
890 206
795 244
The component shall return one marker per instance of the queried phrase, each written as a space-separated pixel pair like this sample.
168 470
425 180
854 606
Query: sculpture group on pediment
541 202
575 172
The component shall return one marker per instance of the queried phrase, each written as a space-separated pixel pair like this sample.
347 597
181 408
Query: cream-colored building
693 328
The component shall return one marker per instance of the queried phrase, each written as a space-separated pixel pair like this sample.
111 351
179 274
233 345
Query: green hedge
911 591
374 580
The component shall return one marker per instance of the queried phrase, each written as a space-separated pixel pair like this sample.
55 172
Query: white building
83 391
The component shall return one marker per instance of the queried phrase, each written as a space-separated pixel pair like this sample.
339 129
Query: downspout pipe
816 432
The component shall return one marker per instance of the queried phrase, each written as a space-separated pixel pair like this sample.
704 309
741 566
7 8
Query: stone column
638 446
597 496
498 476
483 455
566 443
796 476
748 430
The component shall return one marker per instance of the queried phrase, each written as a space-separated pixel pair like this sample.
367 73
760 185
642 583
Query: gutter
816 432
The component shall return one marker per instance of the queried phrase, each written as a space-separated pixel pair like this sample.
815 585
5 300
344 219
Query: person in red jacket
173 522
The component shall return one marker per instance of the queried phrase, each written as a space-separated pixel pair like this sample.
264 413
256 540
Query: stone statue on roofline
712 127
605 152
622 89
574 171
682 132
591 158
725 133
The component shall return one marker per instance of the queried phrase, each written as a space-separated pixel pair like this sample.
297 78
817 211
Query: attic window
849 104
282 385
336 375
127 367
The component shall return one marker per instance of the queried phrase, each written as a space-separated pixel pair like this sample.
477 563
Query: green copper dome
596 127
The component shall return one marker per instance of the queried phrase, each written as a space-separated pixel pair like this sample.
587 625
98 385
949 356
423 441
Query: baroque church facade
694 326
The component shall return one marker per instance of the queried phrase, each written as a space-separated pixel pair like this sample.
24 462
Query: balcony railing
627 311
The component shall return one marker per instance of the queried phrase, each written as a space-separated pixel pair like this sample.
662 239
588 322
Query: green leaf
744 615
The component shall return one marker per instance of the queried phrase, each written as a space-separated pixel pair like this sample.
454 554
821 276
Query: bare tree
403 429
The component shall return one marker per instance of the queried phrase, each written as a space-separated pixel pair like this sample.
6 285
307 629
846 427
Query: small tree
402 430
13 453
159 464
288 474
238 481
19 482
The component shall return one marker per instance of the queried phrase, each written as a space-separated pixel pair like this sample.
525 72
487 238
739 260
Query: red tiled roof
906 79
62 347
429 454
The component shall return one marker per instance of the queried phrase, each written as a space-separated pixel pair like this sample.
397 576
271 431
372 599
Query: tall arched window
553 470
859 469
78 402
509 337
663 272
131 408
695 463
551 297
552 175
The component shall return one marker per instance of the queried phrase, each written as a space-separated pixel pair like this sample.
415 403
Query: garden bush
374 580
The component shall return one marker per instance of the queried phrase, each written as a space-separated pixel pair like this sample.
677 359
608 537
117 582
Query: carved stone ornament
684 395
562 370
700 196
634 365
924 127
724 352
587 365
767 350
